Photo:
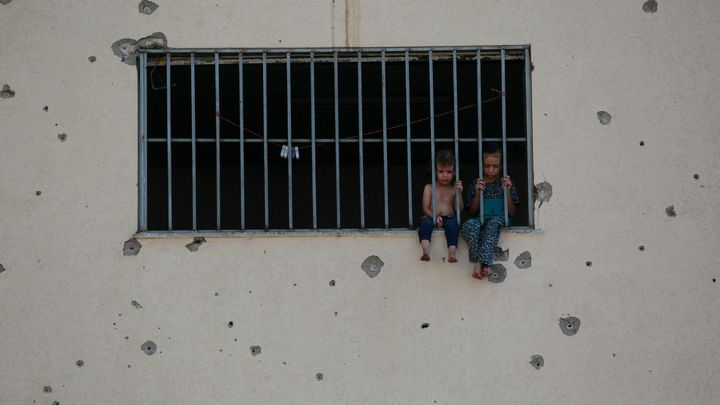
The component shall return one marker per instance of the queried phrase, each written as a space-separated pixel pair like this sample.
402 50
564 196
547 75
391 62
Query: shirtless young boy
445 190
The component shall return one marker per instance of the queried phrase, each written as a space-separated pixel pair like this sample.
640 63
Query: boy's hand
458 185
479 185
439 222
506 182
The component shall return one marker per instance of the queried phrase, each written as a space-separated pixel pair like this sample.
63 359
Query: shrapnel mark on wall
650 6
149 347
604 117
570 325
7 92
147 7
537 361
131 247
372 266
195 244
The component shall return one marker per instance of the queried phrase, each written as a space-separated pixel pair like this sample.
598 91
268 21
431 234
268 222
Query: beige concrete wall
650 328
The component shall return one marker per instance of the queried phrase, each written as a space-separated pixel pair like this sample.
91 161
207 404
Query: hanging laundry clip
284 152
297 153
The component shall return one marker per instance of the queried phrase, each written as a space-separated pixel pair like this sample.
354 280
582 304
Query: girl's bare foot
486 271
477 272
425 258
452 259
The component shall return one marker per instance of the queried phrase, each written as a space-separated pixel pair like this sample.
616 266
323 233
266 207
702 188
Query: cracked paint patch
537 361
524 260
670 211
149 347
498 273
570 325
7 92
372 266
604 117
501 255
131 247
147 7
195 244
650 6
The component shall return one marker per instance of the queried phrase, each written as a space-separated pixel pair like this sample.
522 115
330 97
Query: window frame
240 52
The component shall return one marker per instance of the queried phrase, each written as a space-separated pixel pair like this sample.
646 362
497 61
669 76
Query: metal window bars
332 57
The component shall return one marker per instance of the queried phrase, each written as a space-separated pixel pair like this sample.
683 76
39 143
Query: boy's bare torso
444 199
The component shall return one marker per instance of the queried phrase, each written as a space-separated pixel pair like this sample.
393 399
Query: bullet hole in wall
217 294
588 263
714 280
501 255
543 192
136 304
5 1
537 361
604 117
524 260
641 248
642 143
650 6
149 347
230 324
38 192
498 273
147 7
332 283
92 59
696 176
47 389
131 247
255 350
195 244
425 325
570 325
62 137
79 363
7 92
372 266
56 403
2 268
46 108
319 376
670 211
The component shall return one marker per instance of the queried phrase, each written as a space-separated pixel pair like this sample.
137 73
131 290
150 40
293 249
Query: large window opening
242 140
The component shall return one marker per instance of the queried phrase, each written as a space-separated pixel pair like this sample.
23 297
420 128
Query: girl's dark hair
492 148
445 157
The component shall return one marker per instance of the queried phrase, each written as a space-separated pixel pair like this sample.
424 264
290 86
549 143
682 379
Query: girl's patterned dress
482 238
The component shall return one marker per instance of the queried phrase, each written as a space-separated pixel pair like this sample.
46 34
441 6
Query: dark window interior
277 127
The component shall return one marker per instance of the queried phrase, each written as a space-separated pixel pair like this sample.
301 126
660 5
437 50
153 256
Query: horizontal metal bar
309 232
332 140
283 51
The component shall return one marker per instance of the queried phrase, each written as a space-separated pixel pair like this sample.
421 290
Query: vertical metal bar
194 143
385 149
481 169
242 140
504 131
432 131
312 139
458 195
289 140
265 143
360 141
337 142
168 117
528 138
142 162
407 138
217 141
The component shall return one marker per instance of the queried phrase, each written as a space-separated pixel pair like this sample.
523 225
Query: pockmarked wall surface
618 305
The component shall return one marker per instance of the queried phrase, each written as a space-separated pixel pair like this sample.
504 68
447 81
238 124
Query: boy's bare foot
452 259
486 271
477 275
425 258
